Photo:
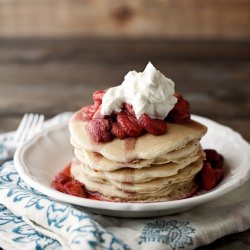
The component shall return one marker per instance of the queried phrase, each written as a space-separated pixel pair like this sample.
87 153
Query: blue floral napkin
31 220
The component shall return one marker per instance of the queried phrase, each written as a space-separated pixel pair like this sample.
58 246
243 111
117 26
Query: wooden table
52 76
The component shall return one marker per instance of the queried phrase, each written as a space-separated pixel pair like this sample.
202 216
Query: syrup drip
129 146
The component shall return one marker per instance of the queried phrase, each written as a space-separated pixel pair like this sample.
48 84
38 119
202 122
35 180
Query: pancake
175 192
146 146
155 185
134 176
170 188
98 162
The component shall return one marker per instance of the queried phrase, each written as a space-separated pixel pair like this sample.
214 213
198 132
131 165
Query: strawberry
118 131
60 180
97 113
100 130
210 176
89 111
212 170
181 111
66 170
214 158
98 95
74 188
57 186
153 126
129 108
129 124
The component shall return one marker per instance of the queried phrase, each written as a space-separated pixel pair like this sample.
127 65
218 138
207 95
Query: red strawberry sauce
63 182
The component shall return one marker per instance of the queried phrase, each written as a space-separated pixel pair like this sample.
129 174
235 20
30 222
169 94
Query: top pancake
146 146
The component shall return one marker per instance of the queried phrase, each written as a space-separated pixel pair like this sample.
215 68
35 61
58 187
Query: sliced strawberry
153 126
100 130
98 95
218 174
89 111
93 110
97 113
209 179
129 124
118 132
129 108
181 111
74 188
57 186
212 171
62 178
214 158
66 170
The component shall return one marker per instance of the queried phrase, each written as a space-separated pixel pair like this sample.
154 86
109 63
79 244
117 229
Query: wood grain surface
56 75
224 19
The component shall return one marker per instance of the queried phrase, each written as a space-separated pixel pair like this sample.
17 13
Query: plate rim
128 206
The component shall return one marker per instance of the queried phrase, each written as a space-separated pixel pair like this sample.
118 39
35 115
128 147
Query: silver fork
29 125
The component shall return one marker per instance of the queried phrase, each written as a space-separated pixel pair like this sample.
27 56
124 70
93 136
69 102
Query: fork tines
30 124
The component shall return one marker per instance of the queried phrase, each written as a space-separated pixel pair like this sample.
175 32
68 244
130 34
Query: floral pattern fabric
31 220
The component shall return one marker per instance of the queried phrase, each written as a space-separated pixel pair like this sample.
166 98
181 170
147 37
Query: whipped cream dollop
148 92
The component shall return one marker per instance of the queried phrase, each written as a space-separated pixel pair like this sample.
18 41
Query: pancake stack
144 169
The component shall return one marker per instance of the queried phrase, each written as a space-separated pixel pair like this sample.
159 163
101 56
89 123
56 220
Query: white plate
39 159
